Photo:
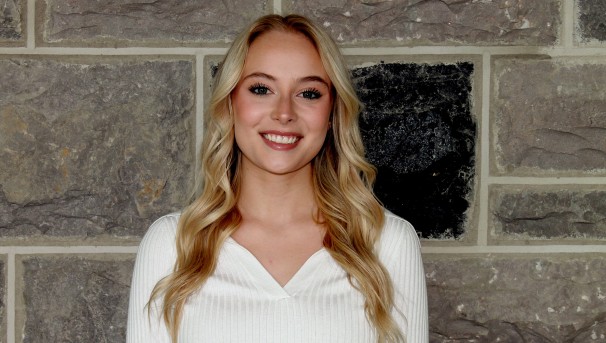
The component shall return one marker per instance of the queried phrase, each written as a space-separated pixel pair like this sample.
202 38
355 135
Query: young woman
286 241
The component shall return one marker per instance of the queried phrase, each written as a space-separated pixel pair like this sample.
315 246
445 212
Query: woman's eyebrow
262 75
314 78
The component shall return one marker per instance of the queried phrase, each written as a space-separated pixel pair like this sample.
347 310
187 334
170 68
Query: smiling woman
286 241
282 104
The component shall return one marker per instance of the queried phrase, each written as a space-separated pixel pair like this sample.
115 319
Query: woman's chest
242 304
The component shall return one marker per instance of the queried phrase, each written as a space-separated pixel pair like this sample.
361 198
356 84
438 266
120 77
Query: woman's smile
281 139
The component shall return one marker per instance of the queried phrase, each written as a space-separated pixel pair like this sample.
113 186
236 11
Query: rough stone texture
418 131
517 299
548 116
592 20
3 297
402 22
11 21
75 299
124 22
538 213
93 149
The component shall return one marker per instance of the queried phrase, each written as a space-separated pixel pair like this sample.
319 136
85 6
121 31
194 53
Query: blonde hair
342 181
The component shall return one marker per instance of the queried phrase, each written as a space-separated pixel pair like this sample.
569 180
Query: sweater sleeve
400 252
155 260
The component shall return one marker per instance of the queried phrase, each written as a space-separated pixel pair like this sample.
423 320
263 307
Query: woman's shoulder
162 231
398 237
166 222
398 228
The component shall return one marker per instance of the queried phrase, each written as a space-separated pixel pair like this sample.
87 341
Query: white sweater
241 302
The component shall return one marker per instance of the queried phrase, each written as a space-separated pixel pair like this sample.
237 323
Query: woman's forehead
283 53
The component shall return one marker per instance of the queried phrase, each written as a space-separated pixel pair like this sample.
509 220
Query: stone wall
486 119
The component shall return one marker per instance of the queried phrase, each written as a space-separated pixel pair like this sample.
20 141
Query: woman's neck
277 198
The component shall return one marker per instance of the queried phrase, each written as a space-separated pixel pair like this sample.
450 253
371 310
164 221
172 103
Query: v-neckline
263 278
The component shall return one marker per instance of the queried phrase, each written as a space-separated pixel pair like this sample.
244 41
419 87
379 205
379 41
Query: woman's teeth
280 139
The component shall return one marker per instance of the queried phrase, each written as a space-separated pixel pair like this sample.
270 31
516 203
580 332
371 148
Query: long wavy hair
342 181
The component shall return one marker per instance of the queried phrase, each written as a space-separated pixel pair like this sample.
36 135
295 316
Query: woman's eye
258 89
311 94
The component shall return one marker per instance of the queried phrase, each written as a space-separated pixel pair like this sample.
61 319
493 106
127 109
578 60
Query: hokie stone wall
486 120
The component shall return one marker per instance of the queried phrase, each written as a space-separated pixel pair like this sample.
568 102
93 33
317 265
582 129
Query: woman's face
282 104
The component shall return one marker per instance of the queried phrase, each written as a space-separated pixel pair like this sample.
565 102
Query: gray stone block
560 298
525 212
74 298
12 23
93 149
408 22
126 23
591 21
3 297
548 116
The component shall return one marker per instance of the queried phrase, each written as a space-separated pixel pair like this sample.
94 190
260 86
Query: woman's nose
284 111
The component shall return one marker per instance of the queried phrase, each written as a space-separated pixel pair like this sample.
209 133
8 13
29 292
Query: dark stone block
419 132
11 20
592 19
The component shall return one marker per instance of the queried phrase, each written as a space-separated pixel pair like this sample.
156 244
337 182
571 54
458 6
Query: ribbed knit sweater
241 302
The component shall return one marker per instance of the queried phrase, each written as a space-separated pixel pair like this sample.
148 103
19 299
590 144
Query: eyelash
312 94
261 90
